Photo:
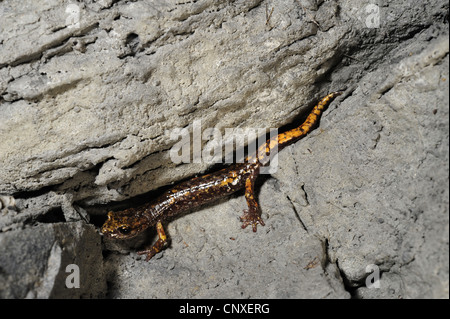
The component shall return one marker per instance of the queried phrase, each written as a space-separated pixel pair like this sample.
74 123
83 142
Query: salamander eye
124 230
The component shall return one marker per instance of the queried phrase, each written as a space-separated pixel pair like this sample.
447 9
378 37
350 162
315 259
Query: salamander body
207 188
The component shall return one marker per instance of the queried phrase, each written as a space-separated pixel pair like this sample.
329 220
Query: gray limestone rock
55 260
90 93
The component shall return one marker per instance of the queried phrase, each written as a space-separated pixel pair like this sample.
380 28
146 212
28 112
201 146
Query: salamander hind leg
160 244
252 215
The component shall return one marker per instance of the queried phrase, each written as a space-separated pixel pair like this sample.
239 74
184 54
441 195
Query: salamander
204 189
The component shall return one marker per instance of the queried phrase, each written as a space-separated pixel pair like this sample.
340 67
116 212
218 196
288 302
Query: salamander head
124 224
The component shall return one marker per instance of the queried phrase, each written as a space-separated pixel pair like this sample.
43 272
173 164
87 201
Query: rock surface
38 262
91 91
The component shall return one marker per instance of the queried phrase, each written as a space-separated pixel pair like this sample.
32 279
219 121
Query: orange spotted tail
295 134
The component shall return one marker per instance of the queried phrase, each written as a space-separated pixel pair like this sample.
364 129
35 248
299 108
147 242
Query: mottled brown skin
204 189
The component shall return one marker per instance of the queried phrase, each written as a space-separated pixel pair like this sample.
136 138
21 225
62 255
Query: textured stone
34 262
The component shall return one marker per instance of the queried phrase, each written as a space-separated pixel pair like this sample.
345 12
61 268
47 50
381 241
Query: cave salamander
204 189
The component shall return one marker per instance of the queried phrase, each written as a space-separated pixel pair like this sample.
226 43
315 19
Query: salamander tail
295 134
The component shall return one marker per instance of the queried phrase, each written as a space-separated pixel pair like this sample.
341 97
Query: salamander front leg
160 244
252 215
